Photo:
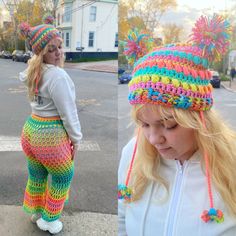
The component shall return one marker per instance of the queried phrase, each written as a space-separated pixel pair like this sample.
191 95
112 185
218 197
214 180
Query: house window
91 39
116 40
58 19
67 40
67 13
93 13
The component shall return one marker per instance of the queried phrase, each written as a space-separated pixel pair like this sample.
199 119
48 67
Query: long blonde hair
217 139
34 71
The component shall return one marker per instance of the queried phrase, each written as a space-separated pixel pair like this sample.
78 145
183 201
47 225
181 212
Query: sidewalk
232 87
13 221
110 66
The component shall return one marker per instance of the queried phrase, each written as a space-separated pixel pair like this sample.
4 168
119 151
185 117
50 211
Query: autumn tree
172 33
148 10
25 11
127 22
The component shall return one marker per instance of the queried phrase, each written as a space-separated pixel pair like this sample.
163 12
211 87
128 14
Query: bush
224 77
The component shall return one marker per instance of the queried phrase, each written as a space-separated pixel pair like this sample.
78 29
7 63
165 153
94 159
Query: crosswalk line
12 144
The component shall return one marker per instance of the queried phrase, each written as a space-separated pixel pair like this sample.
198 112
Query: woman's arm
63 95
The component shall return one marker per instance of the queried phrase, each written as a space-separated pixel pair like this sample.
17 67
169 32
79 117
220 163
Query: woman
183 158
51 135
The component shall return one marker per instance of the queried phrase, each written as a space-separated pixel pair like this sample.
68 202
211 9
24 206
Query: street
94 183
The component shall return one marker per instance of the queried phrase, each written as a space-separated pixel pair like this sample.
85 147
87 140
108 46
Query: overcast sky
188 11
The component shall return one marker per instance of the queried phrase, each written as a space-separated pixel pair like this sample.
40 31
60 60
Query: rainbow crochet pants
47 147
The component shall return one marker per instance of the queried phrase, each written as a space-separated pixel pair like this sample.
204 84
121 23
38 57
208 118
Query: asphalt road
94 183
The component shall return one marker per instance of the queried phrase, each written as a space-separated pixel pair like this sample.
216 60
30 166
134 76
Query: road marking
230 105
19 89
12 144
129 125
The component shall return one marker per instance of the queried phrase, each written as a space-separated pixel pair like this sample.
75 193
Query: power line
103 23
69 11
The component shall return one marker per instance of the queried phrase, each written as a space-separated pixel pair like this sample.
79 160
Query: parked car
27 56
121 71
17 55
125 77
215 79
6 55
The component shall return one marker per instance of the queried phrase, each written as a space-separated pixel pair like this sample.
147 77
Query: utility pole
11 6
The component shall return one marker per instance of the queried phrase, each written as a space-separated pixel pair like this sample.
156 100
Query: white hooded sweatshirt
178 214
56 97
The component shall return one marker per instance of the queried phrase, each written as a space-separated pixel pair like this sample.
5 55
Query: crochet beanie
177 75
39 36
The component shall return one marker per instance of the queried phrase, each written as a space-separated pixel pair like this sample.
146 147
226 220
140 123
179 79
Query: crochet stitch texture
48 150
175 76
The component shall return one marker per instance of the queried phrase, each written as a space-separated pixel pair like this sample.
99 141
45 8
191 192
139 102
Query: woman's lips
163 150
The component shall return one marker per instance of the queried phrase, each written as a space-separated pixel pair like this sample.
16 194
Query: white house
88 26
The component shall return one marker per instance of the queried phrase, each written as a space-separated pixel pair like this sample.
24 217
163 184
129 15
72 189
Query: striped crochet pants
48 150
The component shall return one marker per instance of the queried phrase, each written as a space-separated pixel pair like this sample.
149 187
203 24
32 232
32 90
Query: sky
212 4
188 11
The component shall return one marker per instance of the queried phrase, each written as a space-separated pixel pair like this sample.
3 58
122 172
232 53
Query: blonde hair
34 71
217 139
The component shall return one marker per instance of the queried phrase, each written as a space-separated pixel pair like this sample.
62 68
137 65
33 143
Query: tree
126 23
149 11
172 33
28 11
37 13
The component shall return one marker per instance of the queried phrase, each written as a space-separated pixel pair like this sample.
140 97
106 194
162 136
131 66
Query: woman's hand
74 149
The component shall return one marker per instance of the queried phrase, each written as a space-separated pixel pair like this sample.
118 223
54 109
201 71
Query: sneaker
53 227
35 217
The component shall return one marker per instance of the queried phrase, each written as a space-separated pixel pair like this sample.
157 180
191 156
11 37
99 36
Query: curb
227 88
107 67
99 70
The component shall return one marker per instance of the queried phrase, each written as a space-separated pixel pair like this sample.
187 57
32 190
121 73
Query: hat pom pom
212 215
48 19
124 192
212 36
24 29
137 45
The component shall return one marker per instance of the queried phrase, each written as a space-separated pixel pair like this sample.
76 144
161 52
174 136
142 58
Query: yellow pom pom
138 79
145 78
193 87
185 86
175 82
165 80
155 78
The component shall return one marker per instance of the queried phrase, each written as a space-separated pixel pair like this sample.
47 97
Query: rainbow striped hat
177 75
39 36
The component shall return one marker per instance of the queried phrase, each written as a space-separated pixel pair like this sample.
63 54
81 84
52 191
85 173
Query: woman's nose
58 51
156 137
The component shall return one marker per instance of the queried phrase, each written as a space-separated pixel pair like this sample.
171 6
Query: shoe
35 217
53 227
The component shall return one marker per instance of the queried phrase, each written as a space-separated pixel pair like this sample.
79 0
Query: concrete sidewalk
14 222
102 66
231 86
